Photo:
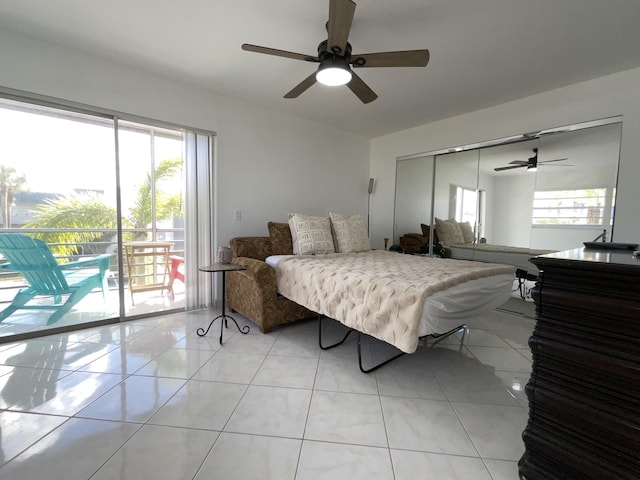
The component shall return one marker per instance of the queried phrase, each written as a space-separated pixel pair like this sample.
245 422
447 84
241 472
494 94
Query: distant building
26 203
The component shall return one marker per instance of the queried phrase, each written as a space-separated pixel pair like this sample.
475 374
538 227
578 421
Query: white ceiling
483 52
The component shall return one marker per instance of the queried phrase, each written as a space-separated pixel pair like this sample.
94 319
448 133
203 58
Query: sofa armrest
258 273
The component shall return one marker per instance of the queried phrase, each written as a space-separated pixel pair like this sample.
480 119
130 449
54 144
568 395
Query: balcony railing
10 281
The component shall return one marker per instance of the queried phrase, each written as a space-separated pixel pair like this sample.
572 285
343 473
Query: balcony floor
90 309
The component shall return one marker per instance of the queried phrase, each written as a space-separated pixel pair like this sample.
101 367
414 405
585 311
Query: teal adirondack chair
33 259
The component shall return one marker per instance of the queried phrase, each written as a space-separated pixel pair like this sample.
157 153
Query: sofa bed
324 266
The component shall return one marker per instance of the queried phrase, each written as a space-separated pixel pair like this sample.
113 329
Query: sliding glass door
152 202
88 185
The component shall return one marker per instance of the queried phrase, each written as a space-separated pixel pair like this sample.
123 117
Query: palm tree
72 212
10 184
166 206
88 211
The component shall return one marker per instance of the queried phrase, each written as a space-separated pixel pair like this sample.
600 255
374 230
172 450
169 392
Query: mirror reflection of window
469 205
456 185
570 207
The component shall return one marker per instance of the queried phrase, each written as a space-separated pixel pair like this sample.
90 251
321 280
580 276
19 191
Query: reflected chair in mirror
411 242
32 258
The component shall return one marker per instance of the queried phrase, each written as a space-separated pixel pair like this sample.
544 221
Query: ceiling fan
532 163
335 57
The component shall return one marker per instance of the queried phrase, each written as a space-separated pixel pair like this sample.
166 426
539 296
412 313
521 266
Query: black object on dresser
584 391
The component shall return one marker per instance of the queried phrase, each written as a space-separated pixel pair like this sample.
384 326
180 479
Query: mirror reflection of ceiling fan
335 57
532 163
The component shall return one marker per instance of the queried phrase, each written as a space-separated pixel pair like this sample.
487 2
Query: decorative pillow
449 232
350 234
467 232
280 236
311 235
458 238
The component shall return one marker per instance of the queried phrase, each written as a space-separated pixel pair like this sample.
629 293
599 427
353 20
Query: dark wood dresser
584 391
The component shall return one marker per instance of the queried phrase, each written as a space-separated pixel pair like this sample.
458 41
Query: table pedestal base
223 323
223 267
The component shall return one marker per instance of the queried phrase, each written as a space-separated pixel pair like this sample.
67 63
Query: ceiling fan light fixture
334 56
333 73
532 168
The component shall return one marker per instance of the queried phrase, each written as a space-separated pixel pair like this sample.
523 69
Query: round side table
223 267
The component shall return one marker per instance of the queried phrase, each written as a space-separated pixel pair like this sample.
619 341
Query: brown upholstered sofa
252 292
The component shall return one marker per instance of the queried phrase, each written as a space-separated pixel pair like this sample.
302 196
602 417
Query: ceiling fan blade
565 165
519 162
407 58
498 169
302 86
339 24
361 89
279 53
549 161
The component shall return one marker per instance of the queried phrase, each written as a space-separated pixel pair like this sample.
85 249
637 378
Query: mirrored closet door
513 199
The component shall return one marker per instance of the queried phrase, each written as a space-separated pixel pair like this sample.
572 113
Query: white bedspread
378 293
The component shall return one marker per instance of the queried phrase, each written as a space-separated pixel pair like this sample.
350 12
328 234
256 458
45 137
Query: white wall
269 163
613 95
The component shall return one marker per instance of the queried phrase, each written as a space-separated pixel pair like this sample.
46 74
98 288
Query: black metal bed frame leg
437 338
320 336
362 369
465 330
442 336
375 367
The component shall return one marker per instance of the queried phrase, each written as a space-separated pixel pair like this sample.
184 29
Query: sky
58 155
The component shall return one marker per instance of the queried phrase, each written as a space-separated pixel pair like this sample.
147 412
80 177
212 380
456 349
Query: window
469 207
570 207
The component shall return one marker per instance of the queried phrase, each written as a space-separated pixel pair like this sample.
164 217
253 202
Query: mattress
443 310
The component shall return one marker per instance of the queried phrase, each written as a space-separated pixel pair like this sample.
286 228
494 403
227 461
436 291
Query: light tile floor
152 400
